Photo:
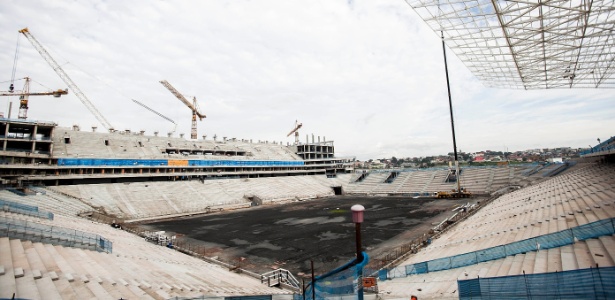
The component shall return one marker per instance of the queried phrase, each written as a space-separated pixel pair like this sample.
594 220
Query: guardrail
24 209
280 277
592 283
37 232
547 241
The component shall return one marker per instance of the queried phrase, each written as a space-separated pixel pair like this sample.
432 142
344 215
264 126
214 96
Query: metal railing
37 232
24 209
280 276
547 241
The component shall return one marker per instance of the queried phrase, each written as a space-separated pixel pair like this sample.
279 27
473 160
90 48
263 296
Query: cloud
367 74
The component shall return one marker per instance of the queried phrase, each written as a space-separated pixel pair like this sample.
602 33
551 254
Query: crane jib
71 85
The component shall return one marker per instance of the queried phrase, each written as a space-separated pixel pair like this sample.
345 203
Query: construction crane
71 85
25 93
157 113
295 131
193 106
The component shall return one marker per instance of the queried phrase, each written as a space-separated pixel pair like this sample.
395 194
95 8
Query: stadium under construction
64 187
109 214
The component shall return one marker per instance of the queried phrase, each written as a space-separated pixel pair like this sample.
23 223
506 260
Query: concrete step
8 285
516 267
46 258
505 267
583 256
62 264
541 262
609 244
567 259
26 287
118 291
598 253
554 260
529 260
65 289
47 289
99 291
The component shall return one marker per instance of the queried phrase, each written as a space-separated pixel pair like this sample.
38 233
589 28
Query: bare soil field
290 235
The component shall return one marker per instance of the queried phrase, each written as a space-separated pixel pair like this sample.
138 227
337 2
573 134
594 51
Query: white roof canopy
528 44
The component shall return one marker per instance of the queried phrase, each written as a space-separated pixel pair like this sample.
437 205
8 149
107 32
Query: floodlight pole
450 106
357 219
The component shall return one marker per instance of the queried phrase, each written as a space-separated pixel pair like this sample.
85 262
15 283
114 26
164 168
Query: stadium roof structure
532 44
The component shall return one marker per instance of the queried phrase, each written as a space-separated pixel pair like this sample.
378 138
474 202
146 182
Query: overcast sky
367 74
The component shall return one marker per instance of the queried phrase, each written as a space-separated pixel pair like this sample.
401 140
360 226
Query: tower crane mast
296 131
71 85
193 106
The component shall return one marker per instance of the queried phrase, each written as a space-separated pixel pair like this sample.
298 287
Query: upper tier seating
85 144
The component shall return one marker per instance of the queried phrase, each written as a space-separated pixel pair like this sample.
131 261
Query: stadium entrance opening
337 190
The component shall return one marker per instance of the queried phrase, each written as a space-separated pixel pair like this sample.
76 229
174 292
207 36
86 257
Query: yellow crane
71 85
295 131
193 107
25 93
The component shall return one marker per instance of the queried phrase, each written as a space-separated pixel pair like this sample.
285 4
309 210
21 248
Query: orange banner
178 163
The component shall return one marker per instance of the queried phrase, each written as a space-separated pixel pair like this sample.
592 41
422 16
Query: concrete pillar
33 138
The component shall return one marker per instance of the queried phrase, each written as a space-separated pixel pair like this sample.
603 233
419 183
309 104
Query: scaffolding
535 44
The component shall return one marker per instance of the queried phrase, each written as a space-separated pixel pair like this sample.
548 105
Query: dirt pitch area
290 235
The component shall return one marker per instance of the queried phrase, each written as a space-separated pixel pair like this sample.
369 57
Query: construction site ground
291 235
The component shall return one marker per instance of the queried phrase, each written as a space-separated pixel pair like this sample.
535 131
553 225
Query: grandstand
138 200
53 177
424 182
553 226
63 184
135 270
